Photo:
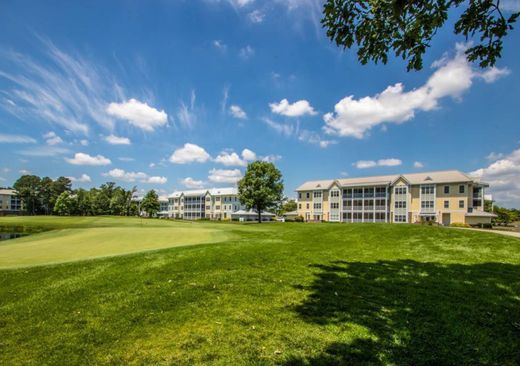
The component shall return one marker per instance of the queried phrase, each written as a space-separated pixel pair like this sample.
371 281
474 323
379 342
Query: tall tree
28 190
150 203
65 204
261 187
407 27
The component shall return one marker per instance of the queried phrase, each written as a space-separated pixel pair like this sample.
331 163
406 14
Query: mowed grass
72 239
274 294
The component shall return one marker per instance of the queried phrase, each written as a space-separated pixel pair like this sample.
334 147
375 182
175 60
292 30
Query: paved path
500 232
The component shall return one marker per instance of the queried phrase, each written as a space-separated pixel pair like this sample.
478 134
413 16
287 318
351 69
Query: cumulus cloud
141 177
117 140
84 178
191 183
246 52
237 112
16 139
296 109
355 117
503 176
138 114
224 175
86 159
189 153
365 164
256 16
52 139
248 155
230 159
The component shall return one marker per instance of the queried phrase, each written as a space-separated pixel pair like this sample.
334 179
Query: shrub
459 224
298 219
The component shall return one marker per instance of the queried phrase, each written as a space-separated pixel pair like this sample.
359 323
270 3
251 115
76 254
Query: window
427 190
427 204
400 218
461 188
334 205
317 206
208 207
334 193
217 199
461 204
446 204
400 204
299 206
307 206
317 194
400 190
308 195
217 207
299 195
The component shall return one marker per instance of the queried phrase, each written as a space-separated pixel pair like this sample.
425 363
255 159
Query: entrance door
446 219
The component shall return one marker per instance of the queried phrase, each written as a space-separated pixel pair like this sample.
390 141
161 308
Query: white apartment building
213 204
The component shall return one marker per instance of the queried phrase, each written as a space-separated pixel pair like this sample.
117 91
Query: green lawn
272 294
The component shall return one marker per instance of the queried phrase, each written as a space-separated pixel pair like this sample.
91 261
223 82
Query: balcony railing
380 208
358 208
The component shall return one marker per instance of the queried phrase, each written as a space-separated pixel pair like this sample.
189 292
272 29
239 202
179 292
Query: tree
289 206
28 190
65 204
150 203
407 27
261 187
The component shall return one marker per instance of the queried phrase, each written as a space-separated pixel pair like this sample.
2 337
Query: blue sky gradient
116 90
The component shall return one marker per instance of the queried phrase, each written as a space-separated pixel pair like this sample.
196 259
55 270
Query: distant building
212 204
10 204
444 197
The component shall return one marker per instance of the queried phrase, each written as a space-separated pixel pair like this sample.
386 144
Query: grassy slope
85 238
290 294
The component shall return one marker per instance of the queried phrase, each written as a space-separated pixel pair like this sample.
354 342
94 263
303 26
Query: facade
444 197
212 204
251 215
10 204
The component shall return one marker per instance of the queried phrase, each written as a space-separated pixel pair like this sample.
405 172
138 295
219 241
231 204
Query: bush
298 219
459 224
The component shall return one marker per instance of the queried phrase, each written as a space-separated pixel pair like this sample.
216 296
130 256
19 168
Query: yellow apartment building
444 197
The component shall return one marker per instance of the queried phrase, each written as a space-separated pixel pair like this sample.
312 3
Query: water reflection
7 236
13 232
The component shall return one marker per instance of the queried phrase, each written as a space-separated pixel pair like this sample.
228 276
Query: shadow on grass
417 313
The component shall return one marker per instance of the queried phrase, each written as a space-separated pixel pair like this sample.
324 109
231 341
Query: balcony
380 194
380 208
358 208
358 195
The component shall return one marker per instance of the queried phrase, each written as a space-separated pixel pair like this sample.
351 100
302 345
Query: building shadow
416 313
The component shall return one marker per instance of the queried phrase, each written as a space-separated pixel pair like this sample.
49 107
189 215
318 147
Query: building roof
477 213
251 213
7 191
446 176
201 192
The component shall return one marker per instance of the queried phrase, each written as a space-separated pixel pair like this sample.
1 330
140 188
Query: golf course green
118 291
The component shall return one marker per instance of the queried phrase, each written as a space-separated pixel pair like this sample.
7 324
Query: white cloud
24 172
418 164
303 135
365 164
271 158
344 174
230 159
217 43
452 78
296 109
83 142
285 129
246 52
189 153
224 175
256 16
125 176
68 91
52 139
237 112
138 114
44 151
494 156
248 155
117 140
84 178
16 139
503 177
315 138
192 183
126 159
186 113
86 159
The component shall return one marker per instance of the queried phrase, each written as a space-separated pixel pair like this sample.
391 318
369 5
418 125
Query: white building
213 204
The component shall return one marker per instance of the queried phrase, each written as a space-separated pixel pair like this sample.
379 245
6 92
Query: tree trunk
259 215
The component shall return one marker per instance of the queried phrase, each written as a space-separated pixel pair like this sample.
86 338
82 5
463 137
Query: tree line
45 196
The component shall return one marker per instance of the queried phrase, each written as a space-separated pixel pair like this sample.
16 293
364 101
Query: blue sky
182 94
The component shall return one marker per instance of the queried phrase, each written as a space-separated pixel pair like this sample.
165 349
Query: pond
13 232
